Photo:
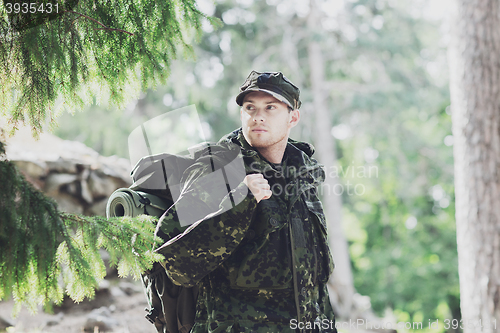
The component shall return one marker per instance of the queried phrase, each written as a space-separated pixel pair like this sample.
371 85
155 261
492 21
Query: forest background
386 78
389 103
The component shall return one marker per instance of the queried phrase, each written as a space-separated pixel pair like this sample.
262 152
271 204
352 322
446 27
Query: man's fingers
258 185
255 175
267 195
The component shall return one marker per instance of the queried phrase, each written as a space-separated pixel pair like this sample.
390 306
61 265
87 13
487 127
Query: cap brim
241 96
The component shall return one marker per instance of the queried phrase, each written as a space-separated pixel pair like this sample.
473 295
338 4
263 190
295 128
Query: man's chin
258 144
257 141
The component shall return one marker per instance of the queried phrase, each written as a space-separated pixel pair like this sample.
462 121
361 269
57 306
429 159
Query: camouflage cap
273 83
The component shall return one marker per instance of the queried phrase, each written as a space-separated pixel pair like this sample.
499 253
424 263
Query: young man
261 265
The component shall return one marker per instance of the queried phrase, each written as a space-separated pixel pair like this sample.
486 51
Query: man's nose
259 115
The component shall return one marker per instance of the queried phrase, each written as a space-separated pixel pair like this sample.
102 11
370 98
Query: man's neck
275 153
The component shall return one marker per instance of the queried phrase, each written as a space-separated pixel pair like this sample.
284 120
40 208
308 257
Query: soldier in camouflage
261 265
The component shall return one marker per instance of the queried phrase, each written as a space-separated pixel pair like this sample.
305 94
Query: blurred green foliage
385 62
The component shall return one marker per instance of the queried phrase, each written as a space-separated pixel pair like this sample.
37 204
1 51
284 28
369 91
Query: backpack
172 308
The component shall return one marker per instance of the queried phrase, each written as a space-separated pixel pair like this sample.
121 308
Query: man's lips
259 130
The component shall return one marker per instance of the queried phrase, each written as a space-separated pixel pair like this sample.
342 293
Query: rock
76 176
38 183
72 188
97 208
117 292
4 323
67 203
84 171
55 180
101 185
55 320
62 166
129 288
33 168
85 192
116 167
104 285
100 318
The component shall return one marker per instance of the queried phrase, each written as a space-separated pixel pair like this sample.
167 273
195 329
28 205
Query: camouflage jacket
260 267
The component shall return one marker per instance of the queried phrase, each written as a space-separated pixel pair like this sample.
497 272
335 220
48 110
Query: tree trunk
341 286
475 97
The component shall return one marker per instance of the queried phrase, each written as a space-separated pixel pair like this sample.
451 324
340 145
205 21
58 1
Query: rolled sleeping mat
127 202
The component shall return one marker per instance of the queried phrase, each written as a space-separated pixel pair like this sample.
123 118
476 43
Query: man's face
266 121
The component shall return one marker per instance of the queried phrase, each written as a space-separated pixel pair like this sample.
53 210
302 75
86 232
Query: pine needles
107 50
43 250
110 50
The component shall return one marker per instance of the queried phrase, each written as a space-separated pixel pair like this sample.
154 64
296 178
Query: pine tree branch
39 244
94 20
53 50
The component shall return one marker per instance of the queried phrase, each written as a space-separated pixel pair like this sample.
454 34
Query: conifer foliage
85 49
42 250
80 50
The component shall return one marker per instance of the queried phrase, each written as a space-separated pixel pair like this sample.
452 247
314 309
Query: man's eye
249 107
271 107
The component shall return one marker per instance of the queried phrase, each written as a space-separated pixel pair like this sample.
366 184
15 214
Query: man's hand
259 186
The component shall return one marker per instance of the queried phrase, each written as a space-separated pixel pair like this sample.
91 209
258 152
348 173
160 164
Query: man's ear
294 118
